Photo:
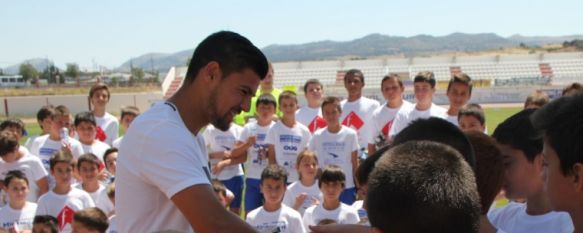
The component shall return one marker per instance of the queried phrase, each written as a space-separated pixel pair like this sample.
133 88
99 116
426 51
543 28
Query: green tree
27 71
51 74
1 71
72 70
138 73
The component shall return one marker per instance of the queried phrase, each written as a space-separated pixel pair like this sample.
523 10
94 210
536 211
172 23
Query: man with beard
163 178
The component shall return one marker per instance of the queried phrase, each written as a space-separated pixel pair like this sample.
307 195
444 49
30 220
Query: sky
108 33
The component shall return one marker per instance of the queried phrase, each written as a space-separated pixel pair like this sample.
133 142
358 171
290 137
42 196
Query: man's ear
578 177
211 71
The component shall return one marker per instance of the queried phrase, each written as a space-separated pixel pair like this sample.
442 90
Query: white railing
168 80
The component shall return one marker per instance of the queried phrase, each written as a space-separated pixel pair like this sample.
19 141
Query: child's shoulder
253 213
506 212
290 212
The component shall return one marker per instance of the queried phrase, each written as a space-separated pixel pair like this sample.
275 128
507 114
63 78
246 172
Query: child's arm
220 154
43 185
238 155
271 154
354 159
371 149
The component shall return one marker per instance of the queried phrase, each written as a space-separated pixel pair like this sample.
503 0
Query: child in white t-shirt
86 128
128 114
89 167
15 159
16 126
337 145
471 117
287 138
331 210
310 115
305 192
459 92
274 216
107 124
63 201
44 120
19 213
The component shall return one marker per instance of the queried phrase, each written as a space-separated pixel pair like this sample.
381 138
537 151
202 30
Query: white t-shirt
404 118
100 199
362 213
311 118
117 142
23 217
32 167
44 148
344 214
453 120
63 207
336 149
383 119
219 141
110 125
513 218
358 116
288 143
158 158
256 154
284 220
297 188
98 148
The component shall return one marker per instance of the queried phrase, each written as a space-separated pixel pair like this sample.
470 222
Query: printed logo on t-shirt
100 135
317 123
65 217
261 137
353 120
272 227
19 222
289 138
387 128
334 151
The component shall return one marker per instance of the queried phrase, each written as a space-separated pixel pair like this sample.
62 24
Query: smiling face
314 93
17 190
88 171
331 114
100 98
86 132
391 89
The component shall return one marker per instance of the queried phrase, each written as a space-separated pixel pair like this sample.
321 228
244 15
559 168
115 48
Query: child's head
522 152
307 164
562 124
8 146
60 120
423 186
99 95
265 106
90 220
128 114
44 224
536 99
88 167
44 117
573 89
331 110
111 192
15 125
332 182
110 160
471 117
424 86
459 90
86 127
313 91
273 183
365 168
16 186
354 82
61 165
489 167
392 87
288 103
220 191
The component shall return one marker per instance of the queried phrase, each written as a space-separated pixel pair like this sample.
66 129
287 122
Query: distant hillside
39 64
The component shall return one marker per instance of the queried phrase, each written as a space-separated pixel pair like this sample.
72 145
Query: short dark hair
14 174
441 131
365 167
331 174
518 132
107 152
332 100
97 87
460 78
425 76
573 89
8 142
92 218
62 110
110 189
489 167
266 99
233 52
86 117
474 110
561 121
61 157
392 76
13 122
274 172
537 98
129 111
287 95
312 81
44 113
47 220
354 73
423 186
88 158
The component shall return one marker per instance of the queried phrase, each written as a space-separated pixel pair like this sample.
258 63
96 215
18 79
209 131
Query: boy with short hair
274 216
560 122
63 200
422 186
287 137
459 92
110 160
522 151
30 165
90 220
89 166
424 89
337 145
128 114
472 117
331 184
99 96
536 99
87 129
45 224
18 214
43 118
310 115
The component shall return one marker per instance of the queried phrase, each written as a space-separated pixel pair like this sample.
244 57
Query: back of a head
423 186
573 89
233 52
47 220
536 99
92 218
518 132
437 130
489 167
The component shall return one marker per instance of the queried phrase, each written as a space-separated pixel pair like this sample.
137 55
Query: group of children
63 179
